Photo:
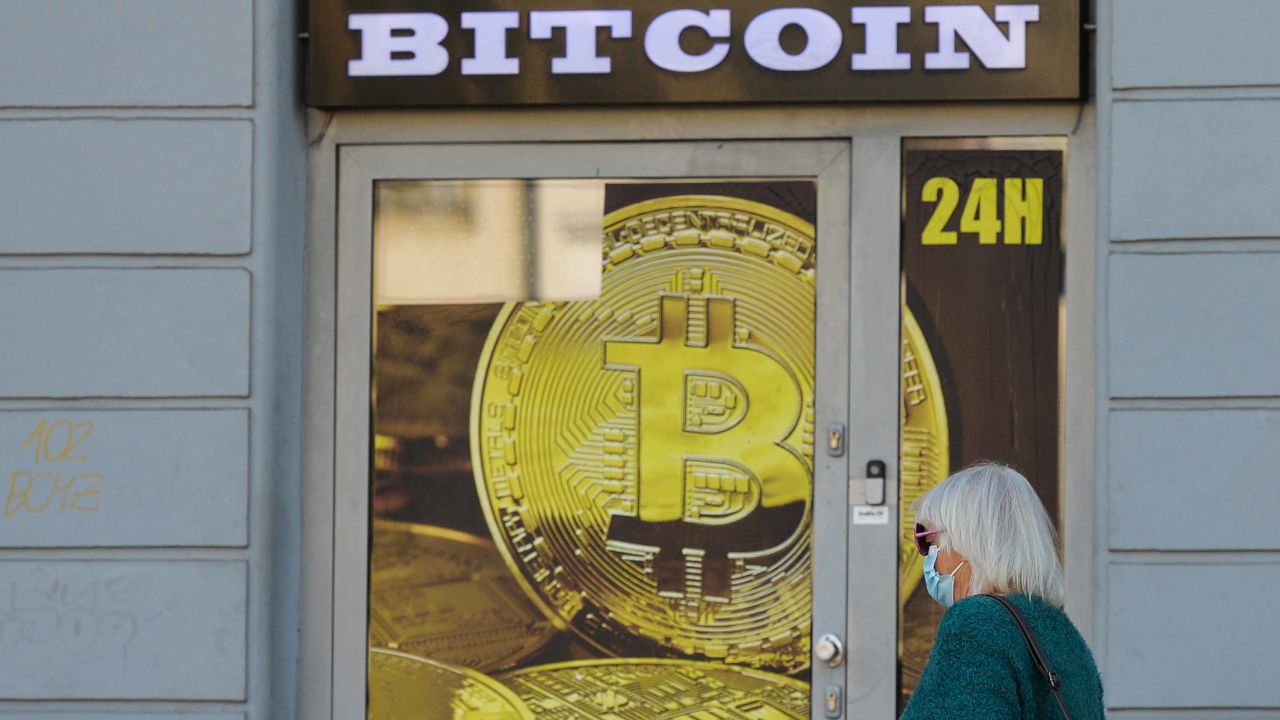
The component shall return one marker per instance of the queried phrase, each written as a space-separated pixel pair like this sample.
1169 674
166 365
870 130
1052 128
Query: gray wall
150 304
1187 542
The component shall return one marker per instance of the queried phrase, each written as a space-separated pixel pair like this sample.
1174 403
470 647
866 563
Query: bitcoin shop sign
366 53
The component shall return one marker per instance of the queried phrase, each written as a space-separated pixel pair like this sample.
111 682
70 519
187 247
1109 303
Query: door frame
826 162
871 137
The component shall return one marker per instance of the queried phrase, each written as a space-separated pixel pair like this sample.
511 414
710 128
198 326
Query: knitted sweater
980 667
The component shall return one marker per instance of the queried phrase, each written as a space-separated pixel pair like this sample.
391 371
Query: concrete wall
150 305
1187 543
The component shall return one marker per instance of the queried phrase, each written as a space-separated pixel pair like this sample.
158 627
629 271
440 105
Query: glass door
593 405
984 383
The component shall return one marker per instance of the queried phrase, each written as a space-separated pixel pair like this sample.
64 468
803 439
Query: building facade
216 270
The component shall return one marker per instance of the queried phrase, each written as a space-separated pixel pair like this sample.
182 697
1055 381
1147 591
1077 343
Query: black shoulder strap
1037 656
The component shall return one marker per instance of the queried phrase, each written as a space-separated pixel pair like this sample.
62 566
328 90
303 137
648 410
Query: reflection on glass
566 223
593 443
485 240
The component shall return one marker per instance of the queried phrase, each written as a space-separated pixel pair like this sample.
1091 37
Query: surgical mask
941 587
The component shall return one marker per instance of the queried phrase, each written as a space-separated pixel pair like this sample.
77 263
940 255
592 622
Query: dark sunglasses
922 543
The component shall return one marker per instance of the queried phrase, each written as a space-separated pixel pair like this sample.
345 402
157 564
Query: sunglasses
922 542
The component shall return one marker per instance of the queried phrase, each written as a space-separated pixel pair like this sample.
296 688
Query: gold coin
620 444
925 444
407 687
448 596
646 459
641 689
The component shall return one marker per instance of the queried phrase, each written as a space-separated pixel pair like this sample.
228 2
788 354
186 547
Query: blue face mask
941 587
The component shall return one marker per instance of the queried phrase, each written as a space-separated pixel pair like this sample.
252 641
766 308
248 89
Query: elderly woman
984 531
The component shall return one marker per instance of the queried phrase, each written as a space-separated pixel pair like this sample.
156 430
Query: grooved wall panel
1187 43
143 332
127 630
1197 325
1192 635
124 478
126 53
1194 479
1195 169
126 186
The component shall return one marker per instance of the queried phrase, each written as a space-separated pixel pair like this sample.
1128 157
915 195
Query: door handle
829 649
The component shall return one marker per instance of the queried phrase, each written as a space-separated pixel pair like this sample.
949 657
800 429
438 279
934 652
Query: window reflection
486 240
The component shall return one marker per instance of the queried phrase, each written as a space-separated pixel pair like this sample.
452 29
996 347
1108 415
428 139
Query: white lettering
385 35
409 44
882 38
662 40
763 39
490 43
971 24
580 54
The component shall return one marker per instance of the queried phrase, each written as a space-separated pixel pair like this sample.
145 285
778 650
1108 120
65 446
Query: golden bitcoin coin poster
607 502
646 458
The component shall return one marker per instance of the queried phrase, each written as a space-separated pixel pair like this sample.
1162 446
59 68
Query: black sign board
368 53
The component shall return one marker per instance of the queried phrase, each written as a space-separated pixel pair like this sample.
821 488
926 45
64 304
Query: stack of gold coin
645 689
407 687
448 596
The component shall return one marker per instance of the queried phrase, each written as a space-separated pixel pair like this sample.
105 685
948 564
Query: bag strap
1037 655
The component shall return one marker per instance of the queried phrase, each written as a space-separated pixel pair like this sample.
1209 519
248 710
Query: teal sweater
980 667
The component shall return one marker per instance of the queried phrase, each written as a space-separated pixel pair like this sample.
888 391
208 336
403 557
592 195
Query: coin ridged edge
725 202
929 369
477 471
761 675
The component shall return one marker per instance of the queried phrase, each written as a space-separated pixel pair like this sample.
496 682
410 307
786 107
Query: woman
983 530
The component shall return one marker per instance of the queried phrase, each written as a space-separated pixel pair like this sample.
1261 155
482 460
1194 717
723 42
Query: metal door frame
827 162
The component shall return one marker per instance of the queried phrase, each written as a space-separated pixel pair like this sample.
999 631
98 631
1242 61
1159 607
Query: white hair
990 515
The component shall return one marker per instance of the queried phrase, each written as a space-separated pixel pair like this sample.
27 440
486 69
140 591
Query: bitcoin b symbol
712 418
645 458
